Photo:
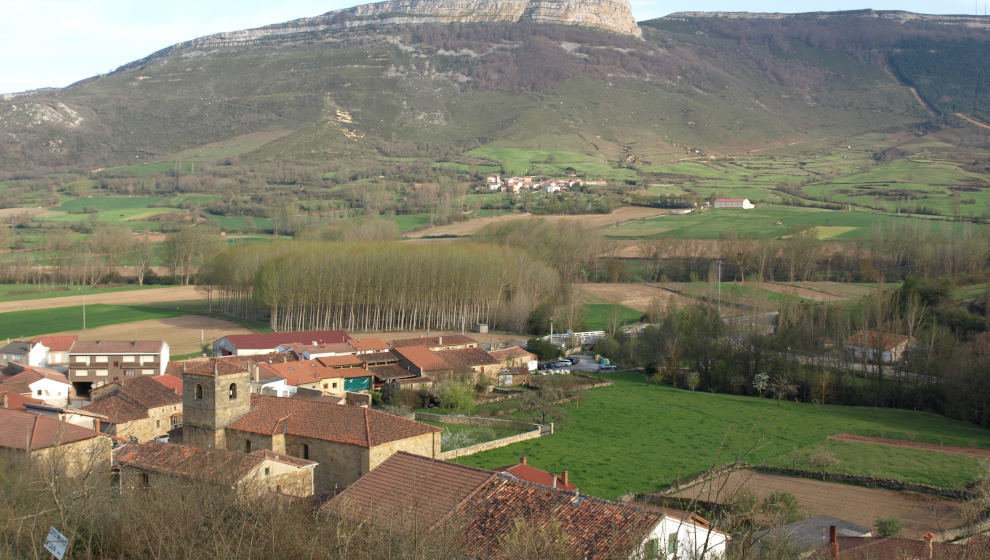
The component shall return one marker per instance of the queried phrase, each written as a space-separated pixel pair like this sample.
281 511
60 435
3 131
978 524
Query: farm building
869 345
137 408
743 203
253 344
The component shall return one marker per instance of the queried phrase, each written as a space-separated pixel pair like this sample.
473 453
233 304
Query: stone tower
214 395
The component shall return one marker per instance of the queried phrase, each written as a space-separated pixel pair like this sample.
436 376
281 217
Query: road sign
56 543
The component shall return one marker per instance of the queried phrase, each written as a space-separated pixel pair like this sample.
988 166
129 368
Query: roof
322 348
537 476
419 490
57 342
144 391
301 372
272 340
369 345
117 347
730 200
877 339
17 347
894 548
435 341
206 463
812 533
409 487
512 352
21 382
423 358
330 422
225 365
460 358
387 357
351 373
18 429
16 401
390 372
170 381
340 361
117 409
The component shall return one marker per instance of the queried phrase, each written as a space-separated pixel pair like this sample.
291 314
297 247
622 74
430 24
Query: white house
25 352
58 350
44 384
743 203
681 534
867 344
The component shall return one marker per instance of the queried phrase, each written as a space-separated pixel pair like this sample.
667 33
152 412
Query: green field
20 292
21 324
598 316
464 436
638 436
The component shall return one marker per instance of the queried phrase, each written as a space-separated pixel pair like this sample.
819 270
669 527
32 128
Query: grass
409 222
456 436
598 315
21 292
20 324
638 436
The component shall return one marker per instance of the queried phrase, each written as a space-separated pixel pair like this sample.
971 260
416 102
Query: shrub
888 526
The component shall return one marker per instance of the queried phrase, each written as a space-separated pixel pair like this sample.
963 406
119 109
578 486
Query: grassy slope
19 324
636 436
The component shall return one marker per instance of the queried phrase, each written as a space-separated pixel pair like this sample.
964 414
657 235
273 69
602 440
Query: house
137 408
508 377
45 384
369 345
16 401
346 441
94 363
341 362
47 441
421 361
58 350
867 345
253 344
809 535
435 343
528 473
743 203
313 351
895 548
473 359
412 493
71 415
24 352
312 374
514 357
162 465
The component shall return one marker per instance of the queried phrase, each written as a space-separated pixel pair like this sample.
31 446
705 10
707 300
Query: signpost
56 543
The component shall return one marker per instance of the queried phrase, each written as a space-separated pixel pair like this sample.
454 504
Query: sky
53 43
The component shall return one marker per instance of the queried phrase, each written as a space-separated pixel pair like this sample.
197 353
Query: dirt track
183 334
947 449
919 513
153 295
470 227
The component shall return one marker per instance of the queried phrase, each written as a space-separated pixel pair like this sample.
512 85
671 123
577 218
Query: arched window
232 391
199 392
247 446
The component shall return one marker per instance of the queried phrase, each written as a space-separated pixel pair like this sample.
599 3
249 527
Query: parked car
607 367
573 360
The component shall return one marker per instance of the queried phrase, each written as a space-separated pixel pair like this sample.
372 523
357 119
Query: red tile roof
16 401
390 372
117 347
369 345
118 410
272 340
435 341
329 422
21 382
423 358
172 382
461 358
18 429
349 360
302 372
351 373
57 343
206 463
325 348
537 476
379 358
225 365
514 352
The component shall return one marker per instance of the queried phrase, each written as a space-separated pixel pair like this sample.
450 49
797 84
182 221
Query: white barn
743 203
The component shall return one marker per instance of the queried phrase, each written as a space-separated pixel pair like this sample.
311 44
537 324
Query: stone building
161 465
137 408
49 442
346 441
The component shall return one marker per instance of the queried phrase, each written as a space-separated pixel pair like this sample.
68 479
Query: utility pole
84 310
720 288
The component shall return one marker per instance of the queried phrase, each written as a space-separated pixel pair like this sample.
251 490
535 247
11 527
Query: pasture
636 436
22 292
21 324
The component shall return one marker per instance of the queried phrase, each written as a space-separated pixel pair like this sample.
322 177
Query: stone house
137 408
161 465
471 359
346 441
94 363
40 383
421 361
414 493
47 441
312 374
516 357
369 345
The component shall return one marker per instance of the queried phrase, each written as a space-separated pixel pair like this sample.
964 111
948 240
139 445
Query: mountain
435 79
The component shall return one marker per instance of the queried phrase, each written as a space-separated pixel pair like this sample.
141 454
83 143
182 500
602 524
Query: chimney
522 460
930 539
564 478
833 543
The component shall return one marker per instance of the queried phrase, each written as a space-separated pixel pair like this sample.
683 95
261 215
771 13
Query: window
651 550
305 451
199 392
232 391
267 470
247 446
128 359
158 423
101 359
39 392
325 385
145 480
334 385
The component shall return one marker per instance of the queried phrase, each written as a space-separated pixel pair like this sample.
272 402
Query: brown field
183 334
919 513
470 227
816 291
135 297
634 296
947 449
34 212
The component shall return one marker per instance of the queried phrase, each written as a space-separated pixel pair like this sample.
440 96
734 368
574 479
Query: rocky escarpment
976 22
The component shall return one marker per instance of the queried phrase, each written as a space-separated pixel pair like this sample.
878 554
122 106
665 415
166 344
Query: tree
188 249
888 526
823 460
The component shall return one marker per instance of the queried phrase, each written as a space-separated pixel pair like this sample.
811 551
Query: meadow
636 436
21 292
21 324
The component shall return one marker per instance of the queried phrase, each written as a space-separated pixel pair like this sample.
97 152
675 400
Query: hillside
366 84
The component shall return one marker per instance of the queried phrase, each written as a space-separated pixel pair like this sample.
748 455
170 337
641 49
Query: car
607 367
573 360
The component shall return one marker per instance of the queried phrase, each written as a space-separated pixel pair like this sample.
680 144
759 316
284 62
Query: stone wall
462 420
340 464
870 482
488 445
77 458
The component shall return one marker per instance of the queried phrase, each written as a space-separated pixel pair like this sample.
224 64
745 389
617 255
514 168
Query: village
292 415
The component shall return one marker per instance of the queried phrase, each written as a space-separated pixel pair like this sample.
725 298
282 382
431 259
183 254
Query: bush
455 395
888 526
